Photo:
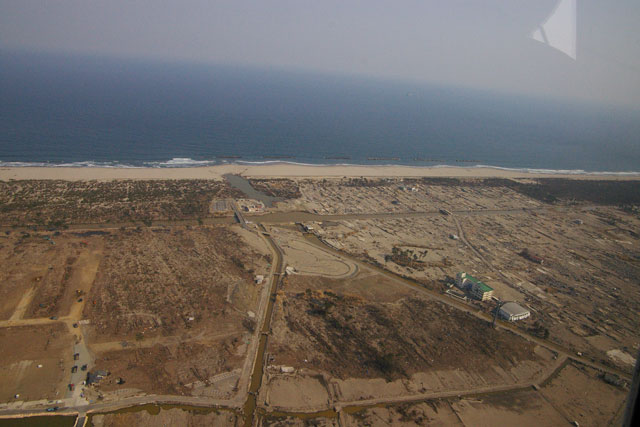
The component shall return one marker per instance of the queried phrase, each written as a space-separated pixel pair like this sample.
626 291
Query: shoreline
291 170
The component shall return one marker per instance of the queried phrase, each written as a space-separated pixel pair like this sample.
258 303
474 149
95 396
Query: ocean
66 110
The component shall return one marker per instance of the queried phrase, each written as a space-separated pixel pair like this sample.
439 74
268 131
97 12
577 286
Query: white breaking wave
181 162
557 171
84 164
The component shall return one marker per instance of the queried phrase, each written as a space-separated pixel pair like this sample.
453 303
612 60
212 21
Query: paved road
238 214
111 405
299 216
282 217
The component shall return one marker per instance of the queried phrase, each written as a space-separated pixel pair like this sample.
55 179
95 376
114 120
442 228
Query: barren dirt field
348 336
34 361
291 421
433 413
579 393
42 270
574 394
169 308
368 337
151 416
351 319
523 407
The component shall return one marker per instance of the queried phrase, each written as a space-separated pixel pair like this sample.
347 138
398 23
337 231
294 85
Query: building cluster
478 290
250 205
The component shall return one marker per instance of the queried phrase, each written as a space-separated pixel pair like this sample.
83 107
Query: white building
512 312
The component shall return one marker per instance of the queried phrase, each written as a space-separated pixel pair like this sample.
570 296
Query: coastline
290 170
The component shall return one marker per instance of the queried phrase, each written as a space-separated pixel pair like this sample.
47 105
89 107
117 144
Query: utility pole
499 304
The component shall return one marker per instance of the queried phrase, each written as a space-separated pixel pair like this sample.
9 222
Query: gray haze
483 44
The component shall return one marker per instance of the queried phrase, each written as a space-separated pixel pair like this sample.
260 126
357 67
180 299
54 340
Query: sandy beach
283 170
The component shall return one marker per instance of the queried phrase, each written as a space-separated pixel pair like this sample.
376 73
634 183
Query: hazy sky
478 43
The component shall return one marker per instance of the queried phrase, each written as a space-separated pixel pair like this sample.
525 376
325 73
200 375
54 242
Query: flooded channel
40 421
243 184
256 376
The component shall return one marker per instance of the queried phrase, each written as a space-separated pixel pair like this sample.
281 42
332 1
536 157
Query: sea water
63 110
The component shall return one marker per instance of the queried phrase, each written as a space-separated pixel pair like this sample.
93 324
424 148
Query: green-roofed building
476 288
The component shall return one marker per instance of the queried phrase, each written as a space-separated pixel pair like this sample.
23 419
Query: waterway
258 367
40 421
243 184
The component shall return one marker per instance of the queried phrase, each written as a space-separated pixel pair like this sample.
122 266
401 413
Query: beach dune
288 170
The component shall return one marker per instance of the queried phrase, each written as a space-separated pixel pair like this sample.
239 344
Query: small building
95 376
512 312
476 288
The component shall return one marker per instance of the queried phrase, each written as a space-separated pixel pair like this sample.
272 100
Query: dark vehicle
53 317
53 409
74 369
75 325
83 368
76 356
